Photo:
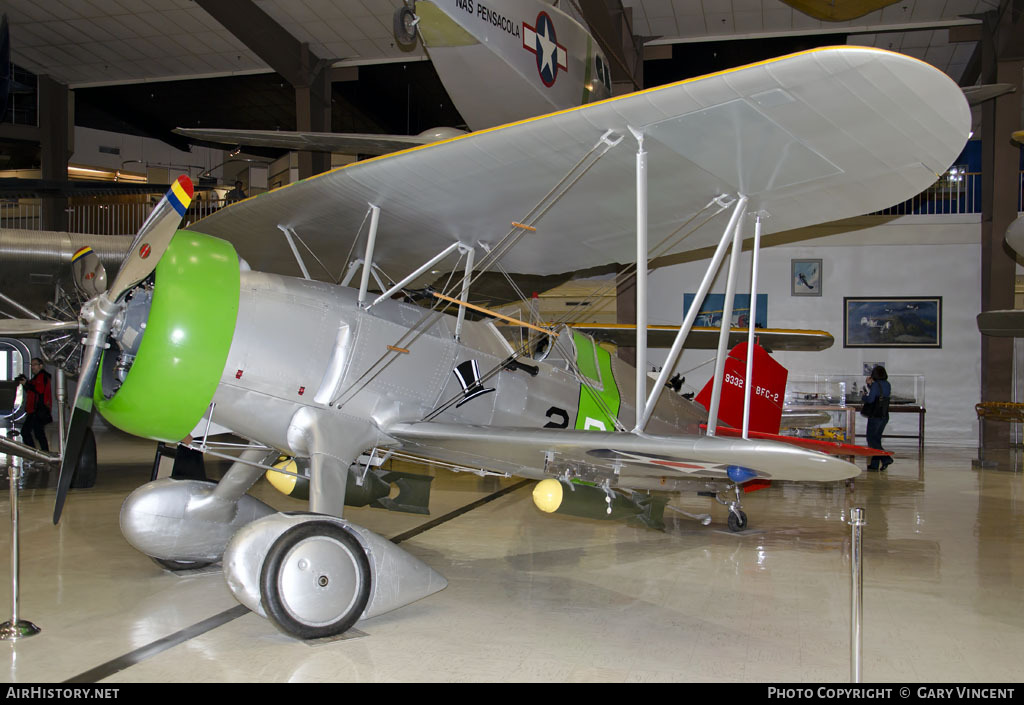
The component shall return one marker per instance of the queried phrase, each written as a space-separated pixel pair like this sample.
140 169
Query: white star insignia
546 48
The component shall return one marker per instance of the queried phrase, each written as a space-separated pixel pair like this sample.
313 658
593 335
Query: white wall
912 256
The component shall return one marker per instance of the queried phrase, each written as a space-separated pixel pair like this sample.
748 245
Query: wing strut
641 277
425 267
289 236
466 281
725 328
691 315
371 241
750 323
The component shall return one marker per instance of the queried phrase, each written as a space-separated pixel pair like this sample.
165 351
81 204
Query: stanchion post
61 410
15 628
856 593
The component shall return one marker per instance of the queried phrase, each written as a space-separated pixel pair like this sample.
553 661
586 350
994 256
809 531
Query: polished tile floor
533 597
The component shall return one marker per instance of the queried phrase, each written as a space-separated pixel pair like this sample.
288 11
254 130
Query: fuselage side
534 56
306 346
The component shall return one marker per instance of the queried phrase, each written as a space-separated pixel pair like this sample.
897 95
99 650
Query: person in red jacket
38 405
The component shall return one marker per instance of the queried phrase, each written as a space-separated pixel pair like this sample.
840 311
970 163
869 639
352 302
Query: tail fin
766 398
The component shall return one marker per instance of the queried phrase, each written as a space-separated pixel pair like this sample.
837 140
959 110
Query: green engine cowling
188 334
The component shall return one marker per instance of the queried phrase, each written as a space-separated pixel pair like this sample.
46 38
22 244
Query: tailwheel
737 520
315 581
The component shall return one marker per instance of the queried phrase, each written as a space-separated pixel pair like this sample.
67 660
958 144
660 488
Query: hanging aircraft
1007 323
499 62
195 336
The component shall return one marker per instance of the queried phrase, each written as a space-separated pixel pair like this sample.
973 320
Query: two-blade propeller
99 313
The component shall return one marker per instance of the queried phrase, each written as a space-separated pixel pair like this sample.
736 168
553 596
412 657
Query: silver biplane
227 327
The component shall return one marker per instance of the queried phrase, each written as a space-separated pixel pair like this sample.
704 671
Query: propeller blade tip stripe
186 185
179 197
81 253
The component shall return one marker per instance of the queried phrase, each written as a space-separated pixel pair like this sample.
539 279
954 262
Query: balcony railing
96 218
957 192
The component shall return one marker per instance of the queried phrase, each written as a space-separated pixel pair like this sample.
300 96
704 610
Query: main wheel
404 25
737 523
315 580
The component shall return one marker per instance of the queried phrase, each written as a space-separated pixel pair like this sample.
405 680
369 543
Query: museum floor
533 597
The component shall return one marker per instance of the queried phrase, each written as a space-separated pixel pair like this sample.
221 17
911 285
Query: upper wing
701 338
627 456
812 137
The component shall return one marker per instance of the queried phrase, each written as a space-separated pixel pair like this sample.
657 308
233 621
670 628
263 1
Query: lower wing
625 459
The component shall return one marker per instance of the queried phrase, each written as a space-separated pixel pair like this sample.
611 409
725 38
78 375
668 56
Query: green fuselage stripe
599 398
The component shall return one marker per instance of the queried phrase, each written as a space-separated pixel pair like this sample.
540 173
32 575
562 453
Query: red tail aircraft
766 402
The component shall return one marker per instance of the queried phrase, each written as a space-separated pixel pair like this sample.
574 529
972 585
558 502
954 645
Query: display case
825 389
824 406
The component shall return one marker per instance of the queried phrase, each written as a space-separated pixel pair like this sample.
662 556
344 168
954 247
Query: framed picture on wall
892 322
805 277
710 314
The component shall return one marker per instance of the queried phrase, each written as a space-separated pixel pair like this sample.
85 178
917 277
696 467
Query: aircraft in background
500 62
1007 323
507 61
209 330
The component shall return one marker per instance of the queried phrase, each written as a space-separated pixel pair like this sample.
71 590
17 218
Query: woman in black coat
877 402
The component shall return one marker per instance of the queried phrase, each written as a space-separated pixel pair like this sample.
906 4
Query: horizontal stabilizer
829 447
703 338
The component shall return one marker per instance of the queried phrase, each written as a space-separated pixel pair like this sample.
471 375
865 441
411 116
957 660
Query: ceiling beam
262 35
305 71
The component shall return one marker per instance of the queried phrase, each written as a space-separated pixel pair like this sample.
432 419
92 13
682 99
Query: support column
307 73
56 133
313 111
1002 61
